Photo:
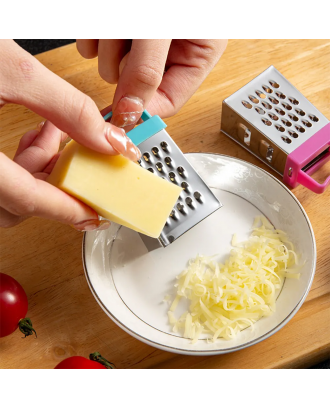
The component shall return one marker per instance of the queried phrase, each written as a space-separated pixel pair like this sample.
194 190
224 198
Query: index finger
24 80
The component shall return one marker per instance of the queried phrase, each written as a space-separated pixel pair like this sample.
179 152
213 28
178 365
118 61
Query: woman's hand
159 75
23 190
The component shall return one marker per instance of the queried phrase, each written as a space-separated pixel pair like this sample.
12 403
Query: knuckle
204 53
26 67
86 110
147 75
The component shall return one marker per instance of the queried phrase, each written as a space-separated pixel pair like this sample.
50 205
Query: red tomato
79 362
13 307
95 361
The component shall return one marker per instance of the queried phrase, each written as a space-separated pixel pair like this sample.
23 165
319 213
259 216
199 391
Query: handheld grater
272 120
162 157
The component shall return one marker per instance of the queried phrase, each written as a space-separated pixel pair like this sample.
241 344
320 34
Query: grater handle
150 126
145 116
304 179
303 155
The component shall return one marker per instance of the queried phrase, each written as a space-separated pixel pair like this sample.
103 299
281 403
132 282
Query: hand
159 75
23 190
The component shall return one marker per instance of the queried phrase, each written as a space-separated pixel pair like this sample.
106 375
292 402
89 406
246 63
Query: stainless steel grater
161 156
272 120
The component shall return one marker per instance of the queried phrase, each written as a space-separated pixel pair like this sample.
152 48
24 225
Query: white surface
130 283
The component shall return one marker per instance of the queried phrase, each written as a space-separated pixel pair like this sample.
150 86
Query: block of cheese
116 188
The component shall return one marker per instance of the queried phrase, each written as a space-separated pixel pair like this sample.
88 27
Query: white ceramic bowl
130 283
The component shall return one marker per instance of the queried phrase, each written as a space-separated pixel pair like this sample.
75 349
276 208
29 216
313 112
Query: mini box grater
272 120
161 156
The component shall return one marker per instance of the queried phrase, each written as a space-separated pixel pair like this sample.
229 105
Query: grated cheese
226 298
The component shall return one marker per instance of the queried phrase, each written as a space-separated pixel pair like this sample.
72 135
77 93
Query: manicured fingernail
127 112
90 225
122 143
40 125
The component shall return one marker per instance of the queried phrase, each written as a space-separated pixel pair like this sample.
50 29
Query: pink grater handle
300 157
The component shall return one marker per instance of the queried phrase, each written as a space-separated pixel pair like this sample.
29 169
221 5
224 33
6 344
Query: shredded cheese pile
226 298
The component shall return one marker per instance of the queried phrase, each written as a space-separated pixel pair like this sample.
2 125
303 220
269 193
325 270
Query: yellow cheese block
115 188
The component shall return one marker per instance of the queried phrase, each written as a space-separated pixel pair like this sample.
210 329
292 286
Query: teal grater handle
149 127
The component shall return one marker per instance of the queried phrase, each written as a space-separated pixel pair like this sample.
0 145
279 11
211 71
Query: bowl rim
184 351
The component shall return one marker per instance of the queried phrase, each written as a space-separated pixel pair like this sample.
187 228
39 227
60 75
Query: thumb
141 74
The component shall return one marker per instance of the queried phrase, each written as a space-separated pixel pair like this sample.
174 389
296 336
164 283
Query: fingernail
122 143
127 112
90 225
40 125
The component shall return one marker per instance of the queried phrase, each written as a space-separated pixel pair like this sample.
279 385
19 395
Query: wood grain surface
45 256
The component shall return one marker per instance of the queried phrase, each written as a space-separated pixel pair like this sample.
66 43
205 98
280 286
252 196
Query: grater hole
247 136
314 118
247 104
307 123
293 134
280 95
171 175
286 122
181 171
266 105
155 151
293 101
267 89
168 161
293 117
173 214
159 167
300 112
189 202
185 186
280 128
260 110
181 208
261 94
269 154
274 84
287 106
146 157
274 100
170 239
198 196
286 139
151 170
164 146
273 116
280 111
300 128
254 99
266 121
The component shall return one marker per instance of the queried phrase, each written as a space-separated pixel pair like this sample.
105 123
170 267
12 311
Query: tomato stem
97 357
25 326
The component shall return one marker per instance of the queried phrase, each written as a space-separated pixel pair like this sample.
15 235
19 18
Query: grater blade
270 118
161 156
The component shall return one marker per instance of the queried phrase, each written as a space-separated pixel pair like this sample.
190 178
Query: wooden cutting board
45 256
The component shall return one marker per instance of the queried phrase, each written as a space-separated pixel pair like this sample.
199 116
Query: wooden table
45 257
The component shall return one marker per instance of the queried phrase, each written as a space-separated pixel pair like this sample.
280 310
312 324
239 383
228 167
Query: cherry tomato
95 361
13 307
78 362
